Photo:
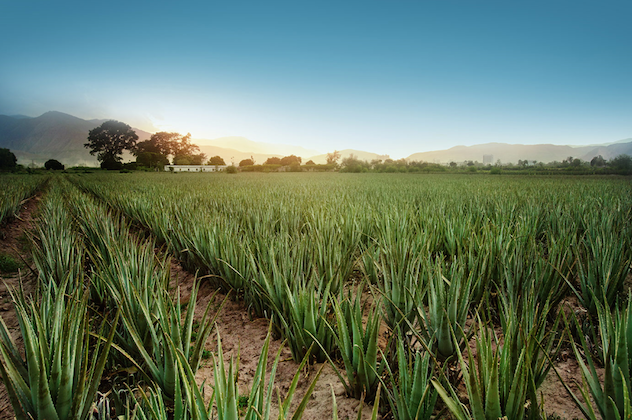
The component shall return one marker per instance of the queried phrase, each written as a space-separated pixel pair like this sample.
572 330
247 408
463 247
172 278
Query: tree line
621 165
110 139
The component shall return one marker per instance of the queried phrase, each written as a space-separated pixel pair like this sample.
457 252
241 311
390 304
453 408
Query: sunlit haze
392 77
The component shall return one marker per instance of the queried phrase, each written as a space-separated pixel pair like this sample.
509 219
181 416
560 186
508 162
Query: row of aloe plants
92 273
58 374
431 270
564 233
14 189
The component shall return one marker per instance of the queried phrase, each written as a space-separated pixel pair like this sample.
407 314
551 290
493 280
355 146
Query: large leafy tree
151 159
8 161
162 142
108 142
184 152
155 151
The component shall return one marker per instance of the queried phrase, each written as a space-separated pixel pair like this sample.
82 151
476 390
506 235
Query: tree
246 162
273 161
622 163
161 142
8 161
216 160
598 161
352 164
332 158
183 146
109 140
151 159
291 160
184 151
310 162
54 165
197 159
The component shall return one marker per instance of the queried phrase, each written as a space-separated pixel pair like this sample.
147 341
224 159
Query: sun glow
168 126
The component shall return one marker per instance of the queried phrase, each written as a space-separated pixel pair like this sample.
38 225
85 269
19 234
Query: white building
195 168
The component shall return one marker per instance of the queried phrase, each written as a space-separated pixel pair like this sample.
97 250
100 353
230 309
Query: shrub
54 165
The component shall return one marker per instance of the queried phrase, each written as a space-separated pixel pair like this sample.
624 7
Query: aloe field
14 189
425 296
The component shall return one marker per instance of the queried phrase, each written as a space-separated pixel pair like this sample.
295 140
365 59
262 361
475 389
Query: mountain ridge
52 135
61 136
512 153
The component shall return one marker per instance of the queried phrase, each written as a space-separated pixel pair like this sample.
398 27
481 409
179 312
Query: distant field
387 276
325 227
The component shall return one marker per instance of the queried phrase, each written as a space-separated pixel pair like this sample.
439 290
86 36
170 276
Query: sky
390 76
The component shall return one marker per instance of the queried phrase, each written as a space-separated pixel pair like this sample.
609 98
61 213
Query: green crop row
14 189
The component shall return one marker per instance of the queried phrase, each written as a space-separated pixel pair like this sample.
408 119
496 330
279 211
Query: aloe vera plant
411 395
261 395
57 250
528 334
357 344
400 264
14 189
152 406
60 374
224 398
448 306
494 390
604 260
295 302
611 396
158 346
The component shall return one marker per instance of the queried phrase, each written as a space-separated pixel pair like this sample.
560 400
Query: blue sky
393 77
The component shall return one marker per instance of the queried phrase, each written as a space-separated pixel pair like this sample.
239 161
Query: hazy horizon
391 78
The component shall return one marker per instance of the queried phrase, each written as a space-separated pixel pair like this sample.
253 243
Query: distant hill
507 153
248 146
235 156
359 154
53 135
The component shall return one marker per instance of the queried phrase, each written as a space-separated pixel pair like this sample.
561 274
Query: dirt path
14 243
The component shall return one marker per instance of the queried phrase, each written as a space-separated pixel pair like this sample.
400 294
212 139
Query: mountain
358 154
507 153
248 146
233 155
53 135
